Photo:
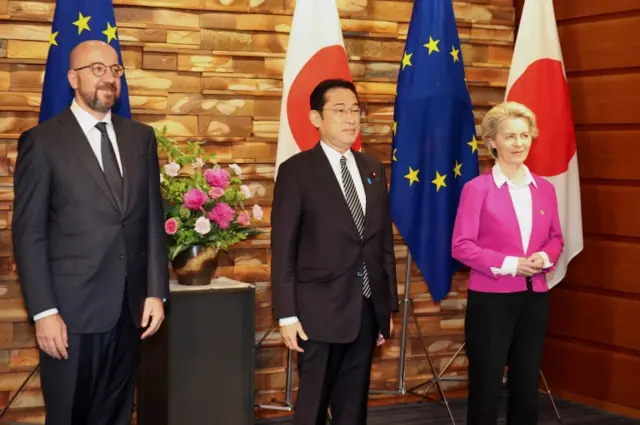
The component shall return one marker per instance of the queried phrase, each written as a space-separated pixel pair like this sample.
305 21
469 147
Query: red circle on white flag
543 88
327 63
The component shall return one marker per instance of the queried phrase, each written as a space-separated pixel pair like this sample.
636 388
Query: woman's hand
537 260
529 267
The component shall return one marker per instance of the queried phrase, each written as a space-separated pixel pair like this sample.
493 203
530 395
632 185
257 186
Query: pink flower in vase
194 199
171 226
217 177
222 214
243 218
216 192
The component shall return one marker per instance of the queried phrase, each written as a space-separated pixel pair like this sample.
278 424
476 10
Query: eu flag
75 21
434 150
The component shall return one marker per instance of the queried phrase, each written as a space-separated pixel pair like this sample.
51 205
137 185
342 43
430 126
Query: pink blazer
486 231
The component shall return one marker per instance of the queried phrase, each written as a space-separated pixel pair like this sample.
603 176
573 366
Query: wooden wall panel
211 70
593 317
589 369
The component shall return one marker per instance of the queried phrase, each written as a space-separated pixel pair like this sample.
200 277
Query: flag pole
285 405
403 339
408 306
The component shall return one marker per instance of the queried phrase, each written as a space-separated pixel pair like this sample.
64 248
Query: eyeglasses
342 112
98 69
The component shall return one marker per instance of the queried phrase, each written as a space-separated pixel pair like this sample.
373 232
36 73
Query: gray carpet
432 413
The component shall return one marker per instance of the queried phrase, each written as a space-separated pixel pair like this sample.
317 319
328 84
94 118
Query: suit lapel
326 179
82 150
126 158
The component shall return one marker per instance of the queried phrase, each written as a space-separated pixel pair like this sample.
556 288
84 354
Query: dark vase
196 265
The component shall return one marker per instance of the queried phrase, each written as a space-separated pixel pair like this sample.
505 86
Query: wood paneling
592 370
593 349
592 267
609 154
614 325
605 99
211 70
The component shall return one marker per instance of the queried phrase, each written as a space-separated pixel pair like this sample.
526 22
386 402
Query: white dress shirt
334 159
88 124
522 203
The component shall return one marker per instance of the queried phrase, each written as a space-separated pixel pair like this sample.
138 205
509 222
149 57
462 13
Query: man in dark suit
88 240
333 264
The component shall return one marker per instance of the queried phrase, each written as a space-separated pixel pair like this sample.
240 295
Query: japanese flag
537 79
315 53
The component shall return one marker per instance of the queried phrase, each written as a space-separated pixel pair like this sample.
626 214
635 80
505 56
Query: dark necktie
110 163
358 216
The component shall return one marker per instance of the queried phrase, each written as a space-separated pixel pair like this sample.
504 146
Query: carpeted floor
431 413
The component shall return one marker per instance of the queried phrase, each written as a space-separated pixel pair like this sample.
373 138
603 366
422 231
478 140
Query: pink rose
257 212
171 226
243 218
222 214
216 193
194 199
217 177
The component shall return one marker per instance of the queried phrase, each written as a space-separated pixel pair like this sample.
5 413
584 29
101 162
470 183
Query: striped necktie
358 216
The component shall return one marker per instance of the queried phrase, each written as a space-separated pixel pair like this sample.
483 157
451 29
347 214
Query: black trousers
337 375
500 330
95 385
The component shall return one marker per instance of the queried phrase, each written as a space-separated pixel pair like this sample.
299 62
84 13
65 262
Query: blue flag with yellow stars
75 21
435 151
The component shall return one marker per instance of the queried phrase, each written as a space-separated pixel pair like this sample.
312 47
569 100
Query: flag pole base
409 309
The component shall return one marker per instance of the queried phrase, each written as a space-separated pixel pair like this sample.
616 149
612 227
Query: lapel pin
369 180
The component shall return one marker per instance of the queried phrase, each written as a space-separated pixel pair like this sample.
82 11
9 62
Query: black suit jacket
76 248
317 251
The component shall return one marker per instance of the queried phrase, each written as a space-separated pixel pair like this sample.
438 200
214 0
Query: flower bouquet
204 209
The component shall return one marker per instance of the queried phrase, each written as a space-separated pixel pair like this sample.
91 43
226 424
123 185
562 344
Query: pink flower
257 212
216 193
222 214
243 218
202 226
171 226
217 177
194 199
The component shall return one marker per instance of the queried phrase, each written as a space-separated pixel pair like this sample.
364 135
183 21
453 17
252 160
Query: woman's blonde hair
501 112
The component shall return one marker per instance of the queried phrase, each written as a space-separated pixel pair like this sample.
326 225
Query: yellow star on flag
394 154
456 170
432 45
82 23
474 144
395 127
110 32
52 38
406 59
454 52
412 176
439 181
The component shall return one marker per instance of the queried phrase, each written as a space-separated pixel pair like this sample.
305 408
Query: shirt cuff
288 320
509 266
547 262
45 314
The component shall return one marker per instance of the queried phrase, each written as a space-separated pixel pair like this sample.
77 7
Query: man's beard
94 102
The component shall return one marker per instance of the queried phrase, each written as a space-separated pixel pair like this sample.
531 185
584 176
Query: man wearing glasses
333 265
88 240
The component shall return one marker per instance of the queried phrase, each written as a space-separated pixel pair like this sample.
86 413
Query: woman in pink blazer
507 231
